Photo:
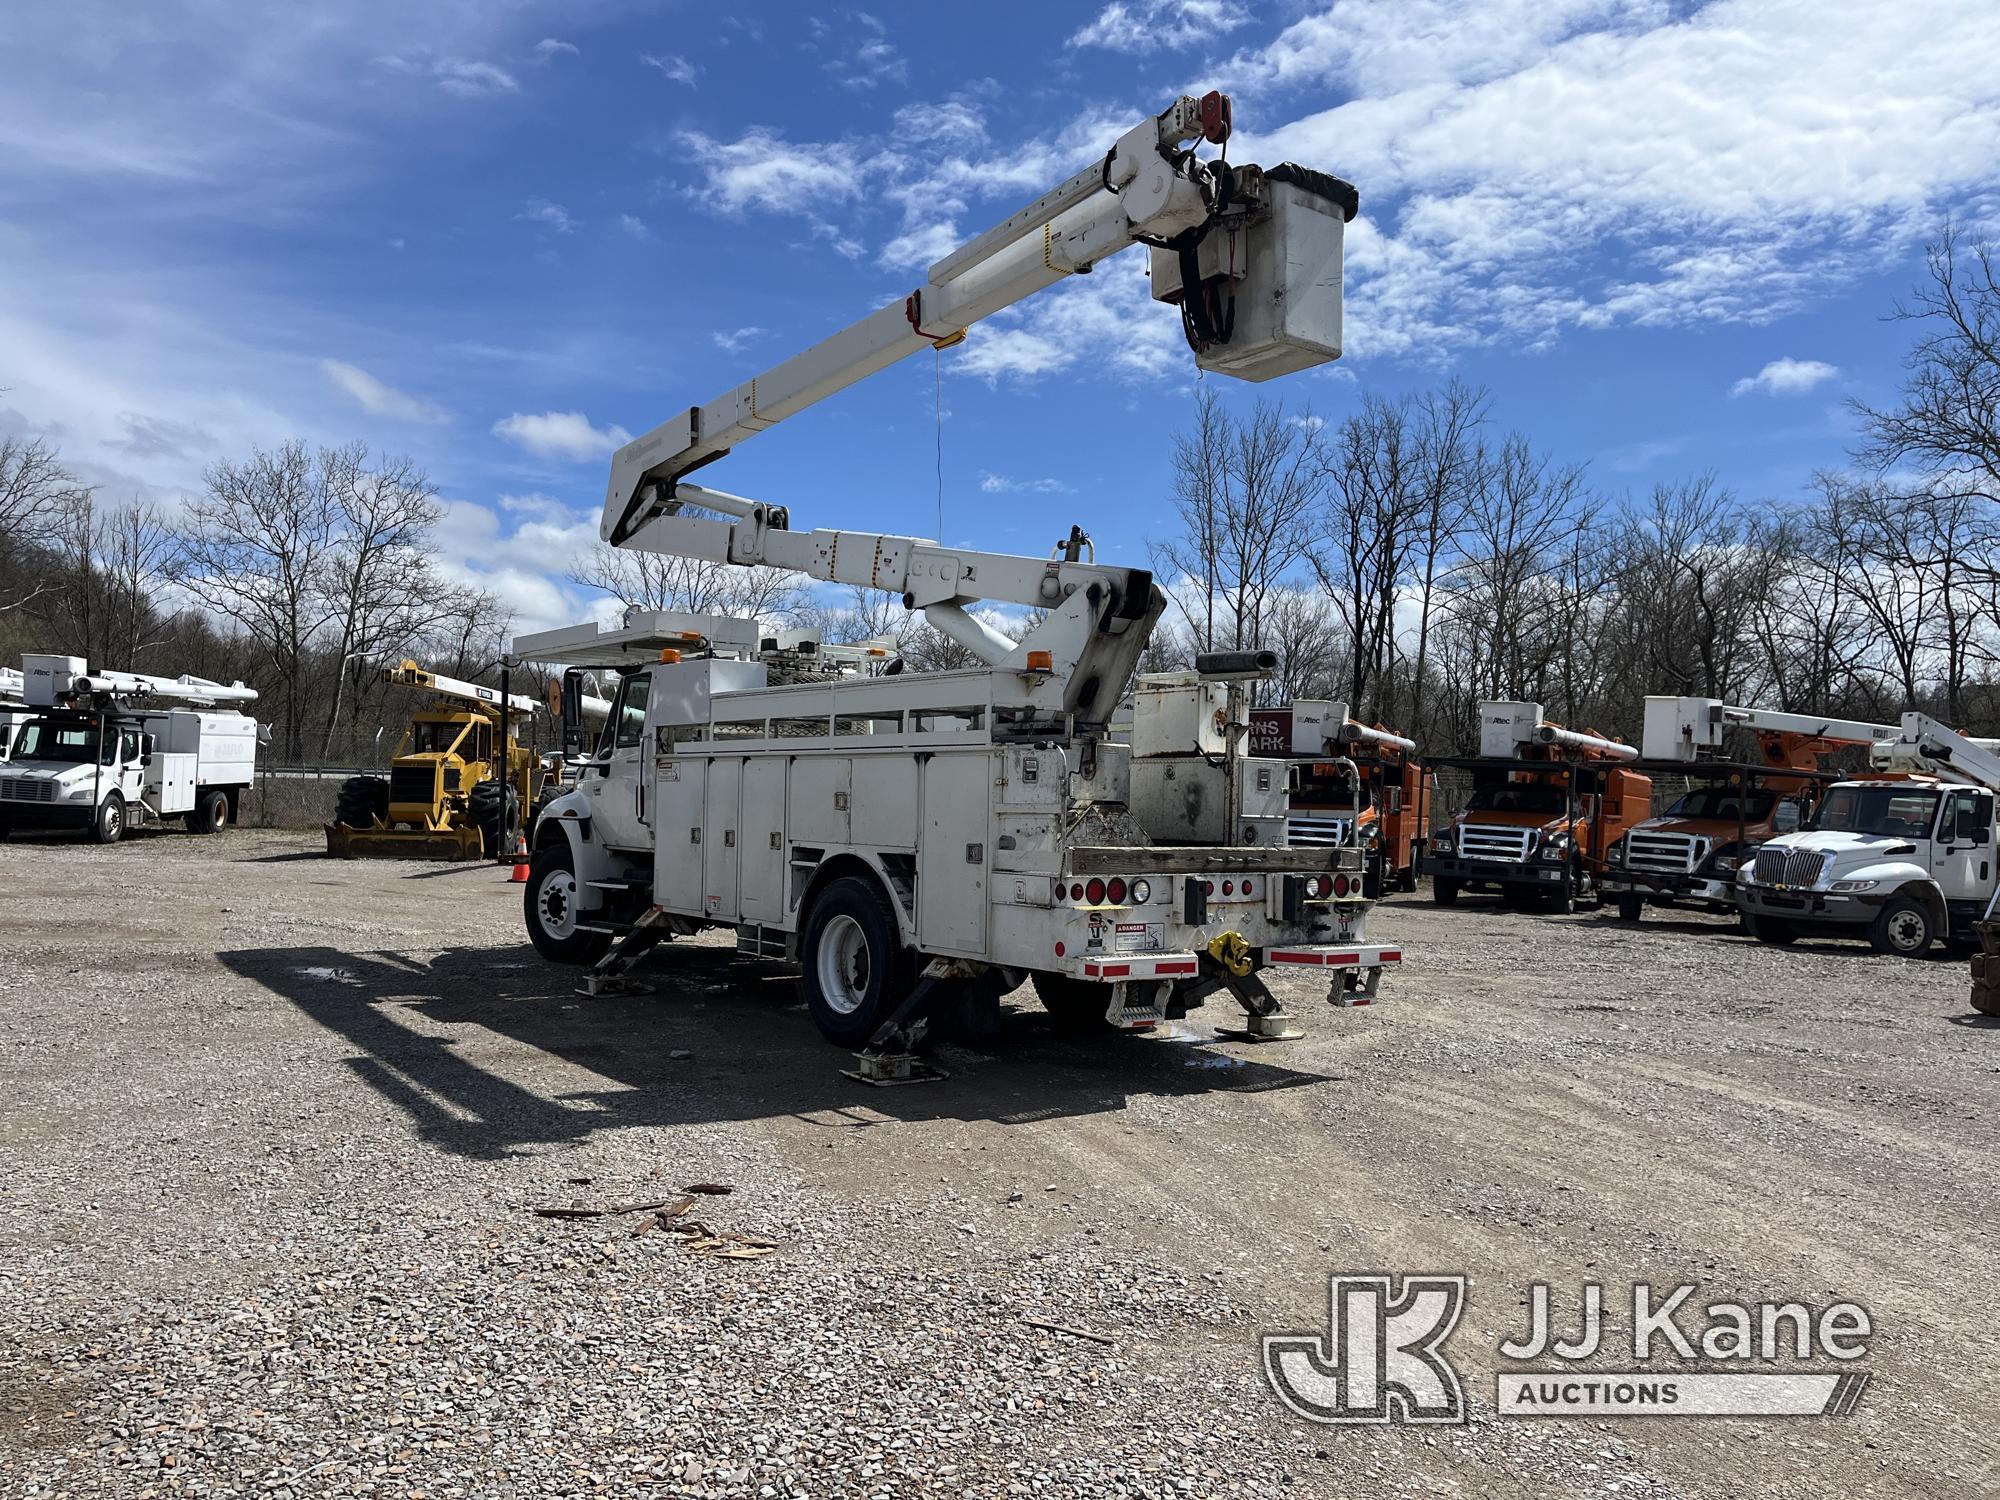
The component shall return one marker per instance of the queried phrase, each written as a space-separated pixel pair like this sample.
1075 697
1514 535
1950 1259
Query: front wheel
549 903
1903 928
1444 890
109 825
1629 907
209 813
853 967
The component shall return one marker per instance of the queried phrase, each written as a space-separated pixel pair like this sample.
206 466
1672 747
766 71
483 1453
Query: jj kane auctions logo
1382 1357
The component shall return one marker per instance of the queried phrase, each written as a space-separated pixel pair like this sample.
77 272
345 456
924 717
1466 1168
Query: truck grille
1306 829
412 784
1495 841
1802 867
1663 853
27 789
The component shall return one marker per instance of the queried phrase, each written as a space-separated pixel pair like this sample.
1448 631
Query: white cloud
865 57
736 340
761 169
1530 166
1785 377
549 48
674 68
920 247
560 434
527 566
1002 484
1109 318
550 215
463 79
378 399
635 226
1150 25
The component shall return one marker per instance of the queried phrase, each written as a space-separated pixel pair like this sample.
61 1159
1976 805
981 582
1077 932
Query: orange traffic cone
520 875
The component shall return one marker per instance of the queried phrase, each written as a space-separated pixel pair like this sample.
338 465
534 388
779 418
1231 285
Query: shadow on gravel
291 857
756 1055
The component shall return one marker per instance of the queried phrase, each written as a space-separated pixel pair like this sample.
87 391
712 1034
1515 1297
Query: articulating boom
1252 259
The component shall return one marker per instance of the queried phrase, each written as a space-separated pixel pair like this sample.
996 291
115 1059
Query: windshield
1519 796
1724 802
1899 811
53 739
1331 795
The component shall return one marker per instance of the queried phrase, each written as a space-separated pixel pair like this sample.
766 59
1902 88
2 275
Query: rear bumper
47 814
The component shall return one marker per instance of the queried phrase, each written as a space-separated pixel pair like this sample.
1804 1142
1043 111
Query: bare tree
653 580
1243 490
253 548
110 565
377 572
37 497
1947 423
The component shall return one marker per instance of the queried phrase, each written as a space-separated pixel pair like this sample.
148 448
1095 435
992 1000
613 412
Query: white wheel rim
1906 930
842 965
555 904
113 818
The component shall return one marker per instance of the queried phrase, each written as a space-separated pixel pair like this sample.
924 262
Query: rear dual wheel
209 813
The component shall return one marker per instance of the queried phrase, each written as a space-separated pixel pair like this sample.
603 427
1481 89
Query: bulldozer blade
401 843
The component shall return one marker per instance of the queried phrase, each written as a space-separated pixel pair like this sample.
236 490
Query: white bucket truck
977 826
102 752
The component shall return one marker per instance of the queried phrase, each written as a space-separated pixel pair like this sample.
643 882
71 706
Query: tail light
1340 886
1228 887
1094 892
1115 891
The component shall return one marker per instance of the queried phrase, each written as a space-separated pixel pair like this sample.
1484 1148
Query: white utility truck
101 752
1906 858
894 830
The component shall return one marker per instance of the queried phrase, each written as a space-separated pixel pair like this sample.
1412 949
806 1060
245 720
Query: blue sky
494 235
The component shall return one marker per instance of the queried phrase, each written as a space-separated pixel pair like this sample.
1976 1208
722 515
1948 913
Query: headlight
1556 848
1373 834
1616 853
1854 885
1442 843
77 793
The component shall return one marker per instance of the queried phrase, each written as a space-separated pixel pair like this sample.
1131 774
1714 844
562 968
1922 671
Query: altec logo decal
1382 1358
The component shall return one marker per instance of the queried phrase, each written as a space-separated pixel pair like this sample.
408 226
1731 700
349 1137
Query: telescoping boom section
900 834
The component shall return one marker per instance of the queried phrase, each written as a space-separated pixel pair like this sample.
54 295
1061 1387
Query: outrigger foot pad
884 1069
595 985
1275 1027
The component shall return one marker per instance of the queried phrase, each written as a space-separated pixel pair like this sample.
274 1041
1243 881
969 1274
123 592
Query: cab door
131 769
619 778
1962 852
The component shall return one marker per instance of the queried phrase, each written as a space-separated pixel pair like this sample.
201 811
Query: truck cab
1904 861
1350 783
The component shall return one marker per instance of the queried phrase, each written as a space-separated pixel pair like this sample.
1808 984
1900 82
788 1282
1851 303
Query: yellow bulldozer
447 795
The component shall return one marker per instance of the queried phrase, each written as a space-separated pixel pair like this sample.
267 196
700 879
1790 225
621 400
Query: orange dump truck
1344 774
1547 804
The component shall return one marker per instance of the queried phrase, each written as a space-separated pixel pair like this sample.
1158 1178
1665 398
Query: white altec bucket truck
1906 858
893 832
106 751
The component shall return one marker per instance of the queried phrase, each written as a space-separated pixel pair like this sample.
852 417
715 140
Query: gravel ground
275 1128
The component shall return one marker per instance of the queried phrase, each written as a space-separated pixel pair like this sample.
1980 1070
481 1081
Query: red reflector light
1076 891
1246 887
1340 885
1208 887
1116 890
1228 887
1094 892
1061 949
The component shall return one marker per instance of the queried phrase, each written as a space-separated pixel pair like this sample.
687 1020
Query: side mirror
145 760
